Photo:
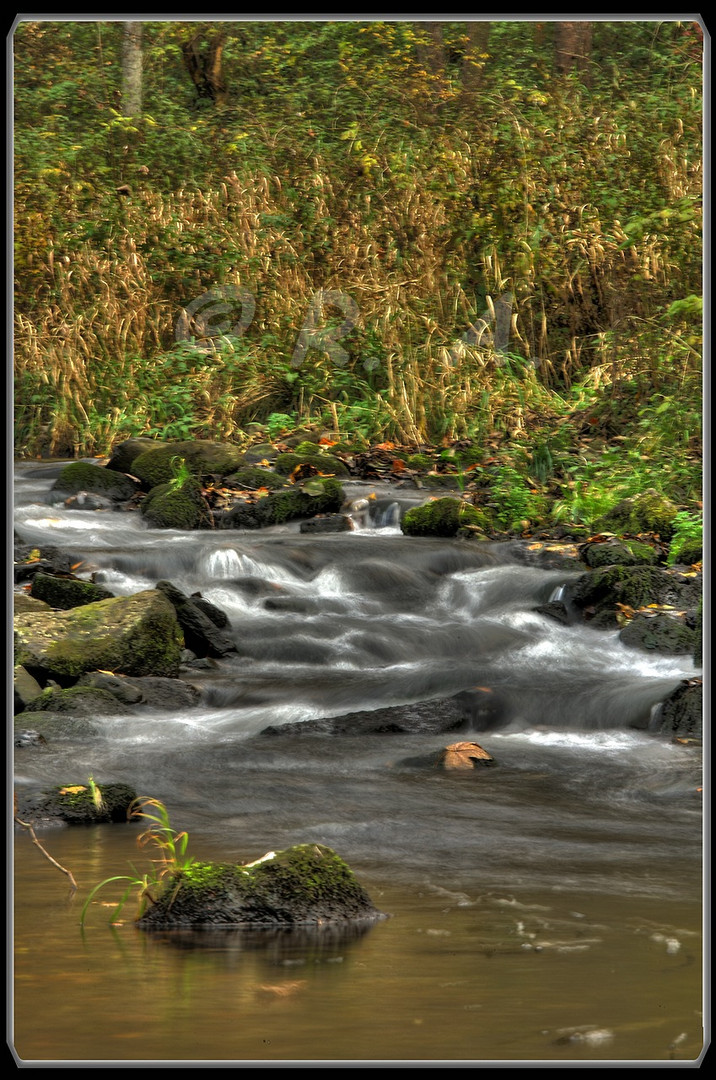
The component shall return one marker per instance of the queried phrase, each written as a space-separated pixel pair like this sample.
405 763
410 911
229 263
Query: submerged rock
304 885
660 633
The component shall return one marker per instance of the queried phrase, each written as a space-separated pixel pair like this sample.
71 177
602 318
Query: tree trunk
204 67
473 62
573 47
432 53
132 69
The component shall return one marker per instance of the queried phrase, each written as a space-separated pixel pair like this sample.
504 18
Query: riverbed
545 909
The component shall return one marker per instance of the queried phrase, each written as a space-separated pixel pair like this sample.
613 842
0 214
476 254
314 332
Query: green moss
158 466
649 512
66 593
169 507
324 463
135 635
84 700
83 476
442 517
298 502
419 462
252 476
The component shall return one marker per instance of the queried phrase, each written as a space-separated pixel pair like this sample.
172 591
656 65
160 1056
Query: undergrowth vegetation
360 238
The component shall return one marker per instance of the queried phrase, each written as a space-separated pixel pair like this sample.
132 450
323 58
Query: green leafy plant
688 532
171 858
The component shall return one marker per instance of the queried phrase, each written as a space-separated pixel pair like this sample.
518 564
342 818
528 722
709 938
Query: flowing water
546 909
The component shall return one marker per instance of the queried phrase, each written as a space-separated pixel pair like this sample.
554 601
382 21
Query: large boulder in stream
204 631
302 886
442 517
172 506
85 476
65 592
200 457
319 495
133 635
602 593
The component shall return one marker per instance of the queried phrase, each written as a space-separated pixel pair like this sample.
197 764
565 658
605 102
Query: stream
545 909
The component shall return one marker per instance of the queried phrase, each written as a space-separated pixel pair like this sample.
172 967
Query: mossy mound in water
131 635
442 517
66 593
255 477
170 507
84 476
321 495
201 458
305 885
649 512
308 454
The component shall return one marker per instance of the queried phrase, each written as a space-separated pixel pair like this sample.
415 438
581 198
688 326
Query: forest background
477 238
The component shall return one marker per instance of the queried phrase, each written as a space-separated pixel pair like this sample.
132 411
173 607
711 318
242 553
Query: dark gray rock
201 634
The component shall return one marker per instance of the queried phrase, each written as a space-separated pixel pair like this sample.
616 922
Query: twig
54 862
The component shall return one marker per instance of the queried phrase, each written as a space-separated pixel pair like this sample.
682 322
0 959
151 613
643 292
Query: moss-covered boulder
79 700
442 517
125 453
305 885
133 635
681 714
661 633
172 506
688 552
308 454
84 476
201 457
254 477
67 592
321 495
614 552
649 512
22 602
599 593
86 803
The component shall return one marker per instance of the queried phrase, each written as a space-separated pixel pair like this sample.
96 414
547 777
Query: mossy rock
618 553
131 635
599 592
202 458
80 700
441 481
660 633
23 603
254 477
442 517
305 885
420 462
689 552
84 476
66 593
321 495
649 512
170 507
681 714
260 452
78 804
324 463
125 453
